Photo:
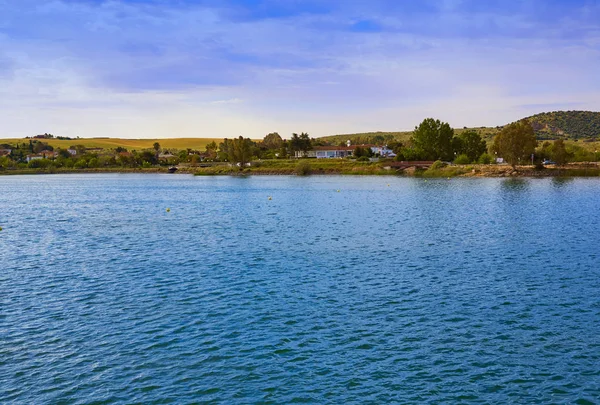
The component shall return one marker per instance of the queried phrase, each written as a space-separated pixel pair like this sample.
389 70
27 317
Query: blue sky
223 68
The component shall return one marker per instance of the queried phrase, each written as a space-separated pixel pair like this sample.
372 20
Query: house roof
334 147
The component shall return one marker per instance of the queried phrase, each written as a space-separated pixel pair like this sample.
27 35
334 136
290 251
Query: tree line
431 140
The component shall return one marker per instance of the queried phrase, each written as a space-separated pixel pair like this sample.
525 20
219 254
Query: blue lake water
390 290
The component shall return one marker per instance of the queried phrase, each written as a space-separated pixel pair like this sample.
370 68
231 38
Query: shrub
80 164
362 159
485 159
438 164
93 162
462 160
39 163
303 168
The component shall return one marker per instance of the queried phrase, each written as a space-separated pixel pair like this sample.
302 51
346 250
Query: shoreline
465 171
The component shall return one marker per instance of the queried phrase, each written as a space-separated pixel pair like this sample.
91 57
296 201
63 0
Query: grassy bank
290 167
340 167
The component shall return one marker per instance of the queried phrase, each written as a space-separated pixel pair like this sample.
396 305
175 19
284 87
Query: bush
303 168
80 164
485 159
39 163
462 160
362 159
438 164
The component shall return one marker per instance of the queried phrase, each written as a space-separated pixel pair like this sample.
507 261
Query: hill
129 144
566 125
367 138
387 137
549 125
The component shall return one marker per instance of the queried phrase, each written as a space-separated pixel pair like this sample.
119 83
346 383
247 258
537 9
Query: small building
383 151
48 154
327 152
165 156
73 152
5 152
35 156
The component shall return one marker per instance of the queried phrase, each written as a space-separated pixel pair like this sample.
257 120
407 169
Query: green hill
366 138
379 138
566 125
550 125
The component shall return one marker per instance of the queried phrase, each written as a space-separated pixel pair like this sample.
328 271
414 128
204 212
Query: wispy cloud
318 66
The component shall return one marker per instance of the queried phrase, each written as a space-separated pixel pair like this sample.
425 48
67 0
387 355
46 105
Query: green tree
63 153
471 145
433 139
559 153
238 150
462 159
211 150
146 157
300 143
515 142
272 141
156 146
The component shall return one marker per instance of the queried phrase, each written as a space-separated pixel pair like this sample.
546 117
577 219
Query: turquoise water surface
391 290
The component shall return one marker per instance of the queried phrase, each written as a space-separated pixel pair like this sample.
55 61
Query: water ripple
463 291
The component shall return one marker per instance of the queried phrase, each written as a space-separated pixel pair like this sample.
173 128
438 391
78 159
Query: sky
224 68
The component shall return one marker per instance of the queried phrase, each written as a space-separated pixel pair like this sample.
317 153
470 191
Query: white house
383 151
29 158
327 152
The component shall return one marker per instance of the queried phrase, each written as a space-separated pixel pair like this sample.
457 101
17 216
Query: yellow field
129 144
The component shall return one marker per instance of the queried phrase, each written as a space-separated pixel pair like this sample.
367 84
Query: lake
334 290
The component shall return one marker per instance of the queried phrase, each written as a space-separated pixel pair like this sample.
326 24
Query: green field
129 144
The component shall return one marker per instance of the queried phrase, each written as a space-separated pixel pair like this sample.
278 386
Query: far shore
572 170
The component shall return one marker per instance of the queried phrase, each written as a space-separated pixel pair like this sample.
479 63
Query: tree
156 147
559 153
471 145
434 139
361 151
272 141
238 150
146 157
515 142
211 150
300 143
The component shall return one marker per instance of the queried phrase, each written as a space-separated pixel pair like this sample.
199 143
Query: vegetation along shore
548 144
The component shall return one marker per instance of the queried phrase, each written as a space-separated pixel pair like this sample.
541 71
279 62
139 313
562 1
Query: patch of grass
449 171
303 168
129 144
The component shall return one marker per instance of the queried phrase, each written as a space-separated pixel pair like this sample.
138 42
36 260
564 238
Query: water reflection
560 182
515 184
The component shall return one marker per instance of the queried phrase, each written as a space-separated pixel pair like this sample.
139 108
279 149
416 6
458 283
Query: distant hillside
387 137
550 125
129 144
367 138
566 124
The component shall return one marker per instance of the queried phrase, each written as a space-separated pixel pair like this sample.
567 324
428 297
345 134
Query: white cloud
138 70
